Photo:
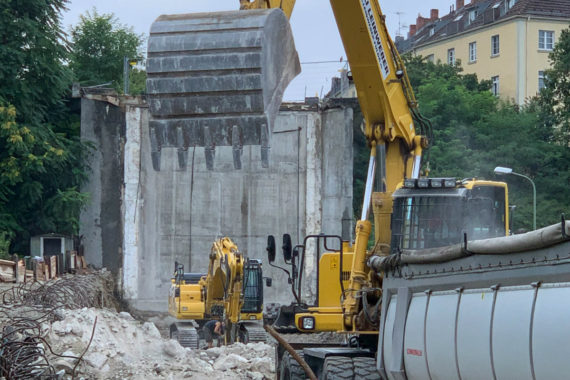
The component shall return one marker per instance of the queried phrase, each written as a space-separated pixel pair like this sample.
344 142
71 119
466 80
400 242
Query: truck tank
488 309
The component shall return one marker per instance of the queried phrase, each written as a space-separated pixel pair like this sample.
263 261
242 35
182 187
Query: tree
40 151
554 99
32 50
100 44
473 132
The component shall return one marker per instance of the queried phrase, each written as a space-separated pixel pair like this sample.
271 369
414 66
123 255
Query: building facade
505 41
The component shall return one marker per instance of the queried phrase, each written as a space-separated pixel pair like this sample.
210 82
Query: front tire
344 368
290 369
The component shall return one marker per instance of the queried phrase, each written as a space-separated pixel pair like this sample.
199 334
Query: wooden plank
53 267
7 271
21 268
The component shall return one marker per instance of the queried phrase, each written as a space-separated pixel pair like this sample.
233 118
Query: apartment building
505 41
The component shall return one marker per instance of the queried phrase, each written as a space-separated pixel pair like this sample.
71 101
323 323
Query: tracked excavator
231 291
443 292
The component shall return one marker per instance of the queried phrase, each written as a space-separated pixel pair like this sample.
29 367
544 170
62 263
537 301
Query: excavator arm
391 123
391 120
224 281
225 88
285 5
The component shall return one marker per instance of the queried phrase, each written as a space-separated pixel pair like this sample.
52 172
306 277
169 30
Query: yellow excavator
231 291
439 243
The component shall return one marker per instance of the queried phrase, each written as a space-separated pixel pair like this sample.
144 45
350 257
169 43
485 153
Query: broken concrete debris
77 337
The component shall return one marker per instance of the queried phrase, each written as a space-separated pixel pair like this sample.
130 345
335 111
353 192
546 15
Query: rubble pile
69 329
123 347
26 309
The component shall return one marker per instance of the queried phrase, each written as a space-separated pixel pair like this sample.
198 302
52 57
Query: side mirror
287 247
268 281
270 248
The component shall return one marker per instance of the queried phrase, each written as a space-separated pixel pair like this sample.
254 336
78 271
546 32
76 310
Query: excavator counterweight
217 79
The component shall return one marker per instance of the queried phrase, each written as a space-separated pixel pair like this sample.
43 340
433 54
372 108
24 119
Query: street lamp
501 170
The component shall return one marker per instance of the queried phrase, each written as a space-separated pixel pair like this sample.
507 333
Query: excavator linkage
217 79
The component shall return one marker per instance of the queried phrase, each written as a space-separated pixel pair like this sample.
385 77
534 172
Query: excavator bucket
217 79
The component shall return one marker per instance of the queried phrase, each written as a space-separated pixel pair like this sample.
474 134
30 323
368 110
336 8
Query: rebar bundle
24 308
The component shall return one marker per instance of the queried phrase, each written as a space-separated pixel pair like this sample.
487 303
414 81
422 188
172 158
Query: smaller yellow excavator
231 291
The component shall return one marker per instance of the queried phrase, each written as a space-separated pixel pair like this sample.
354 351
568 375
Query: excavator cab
252 289
439 212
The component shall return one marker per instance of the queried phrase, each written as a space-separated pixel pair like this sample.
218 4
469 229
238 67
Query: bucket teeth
237 147
210 149
264 146
217 72
154 149
182 150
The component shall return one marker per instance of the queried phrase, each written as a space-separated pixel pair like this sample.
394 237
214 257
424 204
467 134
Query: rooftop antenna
400 25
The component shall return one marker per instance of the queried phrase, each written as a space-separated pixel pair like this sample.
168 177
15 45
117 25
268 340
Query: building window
430 58
494 45
545 39
495 86
451 56
541 78
472 16
431 32
511 3
472 51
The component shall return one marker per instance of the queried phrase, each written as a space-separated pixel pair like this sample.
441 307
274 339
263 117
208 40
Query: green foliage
100 44
554 100
39 170
40 150
474 132
32 50
137 82
4 245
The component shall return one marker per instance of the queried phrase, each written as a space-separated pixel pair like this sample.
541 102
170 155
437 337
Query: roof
551 8
483 12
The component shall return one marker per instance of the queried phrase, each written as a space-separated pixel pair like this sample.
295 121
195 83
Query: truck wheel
365 368
338 368
289 369
343 368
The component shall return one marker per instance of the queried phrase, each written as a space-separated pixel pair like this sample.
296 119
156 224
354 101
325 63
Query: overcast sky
314 29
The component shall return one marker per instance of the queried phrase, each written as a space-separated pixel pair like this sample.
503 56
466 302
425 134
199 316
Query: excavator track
185 334
257 334
217 79
255 331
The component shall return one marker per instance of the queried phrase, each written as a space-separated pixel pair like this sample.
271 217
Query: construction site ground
72 328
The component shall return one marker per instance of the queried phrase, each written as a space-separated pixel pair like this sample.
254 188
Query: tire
338 368
365 368
290 369
344 368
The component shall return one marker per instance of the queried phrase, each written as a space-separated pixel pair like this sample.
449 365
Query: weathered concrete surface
175 214
101 221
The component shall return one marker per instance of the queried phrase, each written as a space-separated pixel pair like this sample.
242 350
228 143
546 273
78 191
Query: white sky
314 29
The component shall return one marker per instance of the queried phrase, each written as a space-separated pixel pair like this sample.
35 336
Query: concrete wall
175 215
103 124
